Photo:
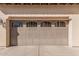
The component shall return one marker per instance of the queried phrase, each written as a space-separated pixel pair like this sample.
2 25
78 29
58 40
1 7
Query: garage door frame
8 30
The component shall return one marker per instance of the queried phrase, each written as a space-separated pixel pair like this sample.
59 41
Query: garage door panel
39 35
32 35
61 37
47 42
21 36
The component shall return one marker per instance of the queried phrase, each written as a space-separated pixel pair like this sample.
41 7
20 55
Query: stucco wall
2 36
75 30
2 30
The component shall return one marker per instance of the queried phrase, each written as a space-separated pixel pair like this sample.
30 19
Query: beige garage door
41 32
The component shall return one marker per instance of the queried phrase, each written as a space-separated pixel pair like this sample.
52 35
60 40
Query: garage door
40 32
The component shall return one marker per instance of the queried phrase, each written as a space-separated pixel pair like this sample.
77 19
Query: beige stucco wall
2 30
71 11
75 30
2 36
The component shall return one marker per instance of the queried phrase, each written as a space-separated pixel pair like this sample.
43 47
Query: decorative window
60 24
45 24
57 24
17 24
31 24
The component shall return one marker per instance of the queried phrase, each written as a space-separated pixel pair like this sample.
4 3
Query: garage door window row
42 24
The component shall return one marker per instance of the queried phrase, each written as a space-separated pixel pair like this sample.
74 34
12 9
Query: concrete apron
39 51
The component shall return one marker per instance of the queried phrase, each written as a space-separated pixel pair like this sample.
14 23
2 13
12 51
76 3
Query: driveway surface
39 51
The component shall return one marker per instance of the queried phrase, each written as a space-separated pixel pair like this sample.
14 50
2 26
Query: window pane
45 24
60 24
31 24
17 24
57 24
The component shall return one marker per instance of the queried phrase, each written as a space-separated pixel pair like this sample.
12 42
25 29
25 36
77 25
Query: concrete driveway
39 51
